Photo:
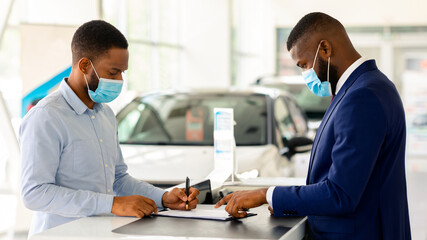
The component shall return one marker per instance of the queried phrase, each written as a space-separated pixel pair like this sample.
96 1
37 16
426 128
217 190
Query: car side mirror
296 145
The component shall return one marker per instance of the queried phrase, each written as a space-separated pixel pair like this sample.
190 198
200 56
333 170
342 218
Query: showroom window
154 43
248 37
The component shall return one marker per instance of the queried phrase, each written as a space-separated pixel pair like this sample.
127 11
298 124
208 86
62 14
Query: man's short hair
311 23
95 38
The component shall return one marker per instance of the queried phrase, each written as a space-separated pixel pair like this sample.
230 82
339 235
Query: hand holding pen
181 198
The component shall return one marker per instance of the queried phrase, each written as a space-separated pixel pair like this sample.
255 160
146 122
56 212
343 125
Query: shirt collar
73 100
348 72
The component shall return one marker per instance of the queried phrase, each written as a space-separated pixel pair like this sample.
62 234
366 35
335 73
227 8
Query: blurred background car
313 106
168 135
420 120
417 135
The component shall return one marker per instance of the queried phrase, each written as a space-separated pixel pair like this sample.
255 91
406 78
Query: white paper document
207 214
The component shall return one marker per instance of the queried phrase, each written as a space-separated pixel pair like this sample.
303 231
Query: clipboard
202 214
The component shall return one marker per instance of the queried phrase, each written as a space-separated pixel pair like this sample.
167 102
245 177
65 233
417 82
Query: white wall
360 12
206 42
256 40
60 12
45 51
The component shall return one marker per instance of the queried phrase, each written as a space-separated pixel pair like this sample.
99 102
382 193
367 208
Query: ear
325 49
84 65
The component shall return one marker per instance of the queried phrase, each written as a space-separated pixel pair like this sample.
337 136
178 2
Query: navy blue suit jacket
356 185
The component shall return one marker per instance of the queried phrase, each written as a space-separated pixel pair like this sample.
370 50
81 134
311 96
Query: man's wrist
163 199
263 193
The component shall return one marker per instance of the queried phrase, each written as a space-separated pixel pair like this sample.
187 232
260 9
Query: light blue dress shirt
72 165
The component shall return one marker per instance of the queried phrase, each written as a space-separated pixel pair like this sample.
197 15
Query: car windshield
314 106
187 119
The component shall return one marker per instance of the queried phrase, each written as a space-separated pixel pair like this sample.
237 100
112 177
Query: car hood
171 164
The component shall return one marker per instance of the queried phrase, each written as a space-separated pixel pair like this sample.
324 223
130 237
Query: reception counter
261 226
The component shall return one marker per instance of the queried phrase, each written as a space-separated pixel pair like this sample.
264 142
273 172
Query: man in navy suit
356 185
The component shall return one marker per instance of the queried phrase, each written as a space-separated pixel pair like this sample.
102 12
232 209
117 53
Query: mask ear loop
315 56
84 75
94 69
88 89
329 64
86 79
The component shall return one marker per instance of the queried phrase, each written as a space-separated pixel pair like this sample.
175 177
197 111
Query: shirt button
100 140
93 117
106 165
108 190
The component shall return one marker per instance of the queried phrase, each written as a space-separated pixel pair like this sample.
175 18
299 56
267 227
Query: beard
92 82
323 74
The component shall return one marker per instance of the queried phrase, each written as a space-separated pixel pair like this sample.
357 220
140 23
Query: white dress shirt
347 73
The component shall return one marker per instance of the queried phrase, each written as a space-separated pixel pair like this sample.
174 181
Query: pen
187 191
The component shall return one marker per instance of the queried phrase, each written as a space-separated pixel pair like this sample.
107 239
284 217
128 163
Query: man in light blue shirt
72 165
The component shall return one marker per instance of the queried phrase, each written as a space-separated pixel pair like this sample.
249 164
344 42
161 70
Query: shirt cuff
269 196
157 197
104 204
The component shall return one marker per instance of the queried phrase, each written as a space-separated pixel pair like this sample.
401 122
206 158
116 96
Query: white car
168 135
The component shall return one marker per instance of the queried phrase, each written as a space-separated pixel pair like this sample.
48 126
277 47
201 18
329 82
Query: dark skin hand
239 201
176 199
135 205
271 210
139 206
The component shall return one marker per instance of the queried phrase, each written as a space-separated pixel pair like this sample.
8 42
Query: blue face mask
319 88
107 91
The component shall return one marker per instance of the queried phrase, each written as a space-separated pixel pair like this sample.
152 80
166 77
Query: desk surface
262 226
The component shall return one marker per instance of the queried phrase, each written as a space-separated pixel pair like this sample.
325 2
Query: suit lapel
364 67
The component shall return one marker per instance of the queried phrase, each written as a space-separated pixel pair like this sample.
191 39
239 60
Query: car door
284 130
298 116
300 161
284 122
